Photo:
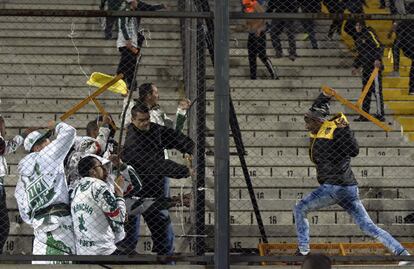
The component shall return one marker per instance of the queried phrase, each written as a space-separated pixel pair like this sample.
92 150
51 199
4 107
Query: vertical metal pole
200 162
221 135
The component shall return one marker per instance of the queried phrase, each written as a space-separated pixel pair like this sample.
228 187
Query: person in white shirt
6 147
42 192
98 214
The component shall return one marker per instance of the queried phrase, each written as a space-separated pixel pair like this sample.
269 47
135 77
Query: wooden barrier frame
367 86
356 108
92 98
341 247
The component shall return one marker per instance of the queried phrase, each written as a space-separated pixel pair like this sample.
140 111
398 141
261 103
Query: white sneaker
405 263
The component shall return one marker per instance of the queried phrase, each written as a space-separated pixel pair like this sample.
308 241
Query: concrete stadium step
389 211
67 51
304 142
23 245
247 111
169 91
327 62
285 69
79 80
269 218
59 49
64 40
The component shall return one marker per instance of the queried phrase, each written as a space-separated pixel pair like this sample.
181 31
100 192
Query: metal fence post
221 136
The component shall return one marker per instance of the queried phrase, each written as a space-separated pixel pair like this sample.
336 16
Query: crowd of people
368 47
81 195
85 195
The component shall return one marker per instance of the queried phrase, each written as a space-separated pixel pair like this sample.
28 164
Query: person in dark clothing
406 36
113 5
332 145
130 39
396 46
144 147
311 6
335 7
369 56
256 43
277 26
354 7
317 261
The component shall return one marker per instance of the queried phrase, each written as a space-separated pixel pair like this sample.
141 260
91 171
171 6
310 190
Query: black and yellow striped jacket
331 150
368 47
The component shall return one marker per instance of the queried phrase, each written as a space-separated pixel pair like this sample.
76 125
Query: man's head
140 117
148 94
92 129
90 166
312 123
133 4
36 141
317 114
359 26
317 261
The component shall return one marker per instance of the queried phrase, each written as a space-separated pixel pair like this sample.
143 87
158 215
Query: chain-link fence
108 127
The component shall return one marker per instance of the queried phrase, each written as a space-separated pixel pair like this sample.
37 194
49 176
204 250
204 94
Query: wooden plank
103 111
357 109
367 86
89 98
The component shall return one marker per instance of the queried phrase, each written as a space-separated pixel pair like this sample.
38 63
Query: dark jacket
331 151
282 6
144 151
368 47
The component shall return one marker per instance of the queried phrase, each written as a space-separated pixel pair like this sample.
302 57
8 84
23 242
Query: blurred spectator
396 7
130 39
142 6
369 56
127 44
283 6
149 94
98 215
144 150
317 261
256 44
354 7
113 5
42 192
382 3
310 6
335 7
406 34
6 147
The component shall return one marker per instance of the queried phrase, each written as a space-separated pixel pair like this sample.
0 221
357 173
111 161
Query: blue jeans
159 223
348 198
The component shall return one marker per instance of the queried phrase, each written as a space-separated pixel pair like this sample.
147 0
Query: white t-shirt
98 217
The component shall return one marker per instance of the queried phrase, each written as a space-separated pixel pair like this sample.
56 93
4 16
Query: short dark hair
91 126
85 165
317 261
144 90
139 107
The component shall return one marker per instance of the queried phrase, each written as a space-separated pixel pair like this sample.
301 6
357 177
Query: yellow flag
98 79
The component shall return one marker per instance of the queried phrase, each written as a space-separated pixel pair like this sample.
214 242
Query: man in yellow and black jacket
369 56
332 145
